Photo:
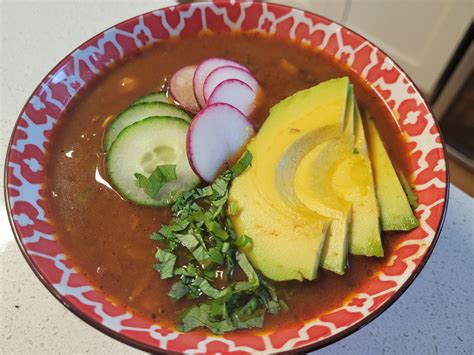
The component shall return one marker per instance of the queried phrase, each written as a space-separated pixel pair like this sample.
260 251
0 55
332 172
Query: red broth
107 237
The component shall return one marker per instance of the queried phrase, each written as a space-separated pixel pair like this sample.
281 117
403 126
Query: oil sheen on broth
107 237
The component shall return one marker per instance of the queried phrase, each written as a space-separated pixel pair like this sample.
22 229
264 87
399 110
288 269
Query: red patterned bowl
29 152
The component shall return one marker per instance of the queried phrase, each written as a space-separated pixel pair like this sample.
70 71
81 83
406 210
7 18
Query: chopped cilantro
216 256
201 316
166 265
355 151
178 290
253 280
201 230
243 240
242 164
159 177
188 241
233 208
212 292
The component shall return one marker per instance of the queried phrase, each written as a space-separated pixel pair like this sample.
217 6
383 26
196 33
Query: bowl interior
30 142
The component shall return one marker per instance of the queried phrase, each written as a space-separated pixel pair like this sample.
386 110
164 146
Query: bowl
28 153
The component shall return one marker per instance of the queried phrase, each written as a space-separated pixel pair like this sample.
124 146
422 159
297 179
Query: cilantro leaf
167 235
214 228
268 297
219 186
216 256
212 292
247 310
200 254
189 270
180 225
233 208
248 316
200 316
242 164
166 265
178 290
188 241
253 280
156 236
243 240
255 321
192 243
159 177
225 247
216 317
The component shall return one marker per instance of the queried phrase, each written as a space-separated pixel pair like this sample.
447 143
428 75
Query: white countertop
435 315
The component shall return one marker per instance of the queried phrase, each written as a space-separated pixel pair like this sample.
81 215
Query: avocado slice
313 187
396 213
365 238
335 180
295 126
270 212
332 172
349 123
285 246
411 195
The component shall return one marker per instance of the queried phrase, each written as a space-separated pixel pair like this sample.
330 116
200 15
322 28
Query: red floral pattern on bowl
30 143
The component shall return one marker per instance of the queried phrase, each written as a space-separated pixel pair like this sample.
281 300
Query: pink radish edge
181 88
229 132
203 70
236 93
224 73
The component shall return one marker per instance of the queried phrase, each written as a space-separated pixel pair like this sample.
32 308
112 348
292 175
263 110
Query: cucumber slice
154 97
137 113
140 148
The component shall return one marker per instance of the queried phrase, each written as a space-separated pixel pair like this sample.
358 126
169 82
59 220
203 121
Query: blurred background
432 40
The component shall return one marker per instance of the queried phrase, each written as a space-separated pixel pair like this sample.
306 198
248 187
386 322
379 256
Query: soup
107 237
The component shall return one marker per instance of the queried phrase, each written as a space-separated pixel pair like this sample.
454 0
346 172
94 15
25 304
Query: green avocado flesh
320 187
396 212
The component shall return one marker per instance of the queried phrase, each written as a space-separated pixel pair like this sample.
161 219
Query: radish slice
203 70
181 88
236 93
216 136
221 74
